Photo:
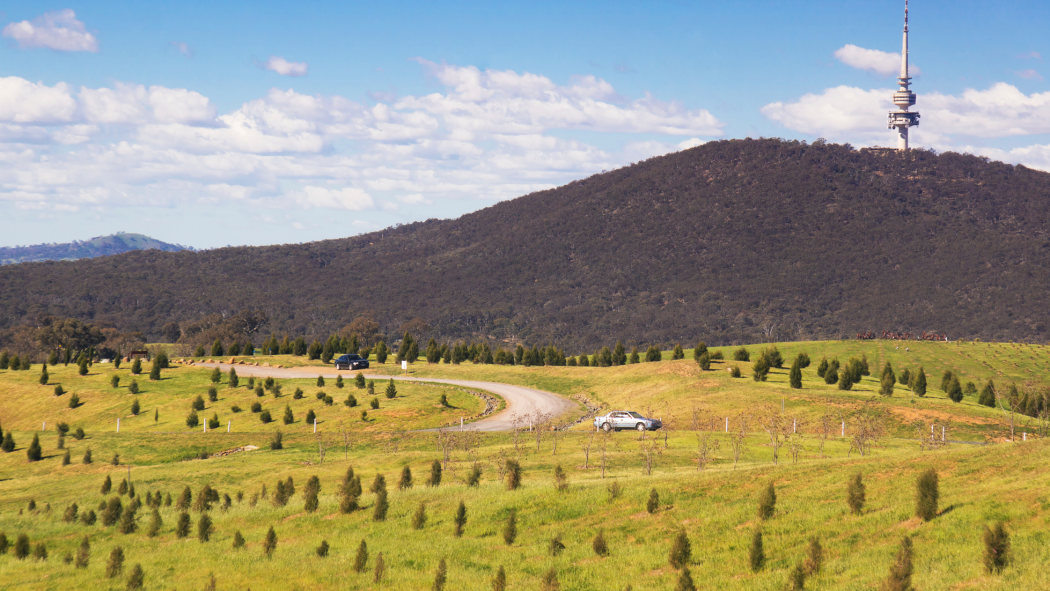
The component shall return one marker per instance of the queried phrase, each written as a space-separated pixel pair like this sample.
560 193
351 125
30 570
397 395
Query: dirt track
521 401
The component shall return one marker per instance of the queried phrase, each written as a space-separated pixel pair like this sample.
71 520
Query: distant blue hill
96 247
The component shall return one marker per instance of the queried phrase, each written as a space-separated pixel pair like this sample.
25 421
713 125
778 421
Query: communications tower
902 119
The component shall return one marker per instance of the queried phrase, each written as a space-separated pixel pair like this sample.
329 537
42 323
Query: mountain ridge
732 241
95 247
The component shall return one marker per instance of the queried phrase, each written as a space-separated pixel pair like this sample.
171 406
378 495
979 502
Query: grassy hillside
715 242
716 507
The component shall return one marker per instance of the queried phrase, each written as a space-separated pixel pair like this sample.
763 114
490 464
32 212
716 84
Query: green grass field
716 507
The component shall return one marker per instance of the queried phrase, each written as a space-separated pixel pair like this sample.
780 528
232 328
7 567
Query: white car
622 419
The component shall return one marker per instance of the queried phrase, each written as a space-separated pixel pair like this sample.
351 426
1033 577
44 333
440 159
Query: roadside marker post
315 424
118 425
44 427
843 428
460 423
228 425
727 424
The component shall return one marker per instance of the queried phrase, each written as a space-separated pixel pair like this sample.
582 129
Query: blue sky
256 122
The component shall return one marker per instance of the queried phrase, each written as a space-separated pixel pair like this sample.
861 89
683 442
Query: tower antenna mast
902 118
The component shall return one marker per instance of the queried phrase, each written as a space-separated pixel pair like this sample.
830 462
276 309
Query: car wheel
606 427
640 426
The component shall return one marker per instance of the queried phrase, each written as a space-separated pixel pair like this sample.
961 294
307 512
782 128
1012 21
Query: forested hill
724 242
96 247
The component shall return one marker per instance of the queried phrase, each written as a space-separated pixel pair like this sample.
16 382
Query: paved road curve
520 400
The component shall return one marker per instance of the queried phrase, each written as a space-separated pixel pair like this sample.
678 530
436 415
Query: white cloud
1034 55
284 67
182 48
1029 74
54 30
484 135
881 62
22 101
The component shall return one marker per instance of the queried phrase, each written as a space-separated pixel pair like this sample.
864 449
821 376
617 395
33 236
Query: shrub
406 479
598 544
88 517
182 526
756 555
561 481
22 547
136 579
74 401
814 557
380 570
320 381
135 408
685 581
40 551
259 392
310 417
704 361
419 518
555 546
184 499
78 434
310 492
233 380
435 474
681 550
361 558
899 578
767 503
213 394
213 422
339 381
364 415
760 369
653 503
136 367
955 392
115 381
797 578
795 376
443 401
322 550
70 514
133 387
66 458
440 576
328 400
996 548
87 456
374 403
371 387
298 394
359 381
926 495
270 543
256 407
198 403
513 474
735 372
822 368
474 478
277 442
987 396
350 401
128 521
58 390
155 523
741 354
845 380
289 418
8 445
677 353
204 528
192 420
238 540
460 519
855 495
510 528
115 565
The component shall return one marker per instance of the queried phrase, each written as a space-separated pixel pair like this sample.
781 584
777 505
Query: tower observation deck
902 118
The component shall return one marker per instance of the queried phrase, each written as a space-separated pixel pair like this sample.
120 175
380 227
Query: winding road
521 401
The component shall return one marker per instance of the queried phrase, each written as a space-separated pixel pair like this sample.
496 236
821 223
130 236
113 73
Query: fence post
315 424
942 433
118 425
843 428
727 424
228 424
44 427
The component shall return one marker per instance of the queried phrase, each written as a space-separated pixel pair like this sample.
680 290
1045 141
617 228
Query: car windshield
353 357
636 415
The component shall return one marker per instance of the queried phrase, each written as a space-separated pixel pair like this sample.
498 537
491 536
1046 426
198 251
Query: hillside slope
96 247
715 242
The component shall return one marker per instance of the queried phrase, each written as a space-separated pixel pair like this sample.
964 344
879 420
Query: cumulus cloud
881 62
1029 74
58 30
284 67
485 134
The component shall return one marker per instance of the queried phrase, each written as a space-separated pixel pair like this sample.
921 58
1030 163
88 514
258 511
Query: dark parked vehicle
351 361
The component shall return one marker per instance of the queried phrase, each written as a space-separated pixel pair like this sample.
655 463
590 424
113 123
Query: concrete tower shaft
902 119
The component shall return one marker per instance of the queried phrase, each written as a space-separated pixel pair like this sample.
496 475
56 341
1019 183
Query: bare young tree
775 425
650 449
865 429
446 443
603 447
794 443
541 423
557 434
587 443
738 437
706 445
827 427
697 418
322 448
667 427
517 424
1013 399
346 442
471 439
501 463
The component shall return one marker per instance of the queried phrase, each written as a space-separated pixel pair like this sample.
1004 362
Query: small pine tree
310 492
499 581
685 581
339 381
996 548
795 376
22 547
460 519
677 353
270 543
918 383
391 389
115 381
380 569
926 495
238 540
681 550
361 558
289 418
814 557
136 579
419 518
234 381
381 506
154 370
987 395
184 499
797 578
204 528
899 578
756 554
598 544
653 503
561 481
405 482
855 495
135 407
34 453
182 526
435 474
845 380
378 484
136 366
154 524
83 556
133 387
115 565
742 354
550 582
510 528
322 550
760 369
87 456
767 503
955 392
43 376
440 576
8 445
66 458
